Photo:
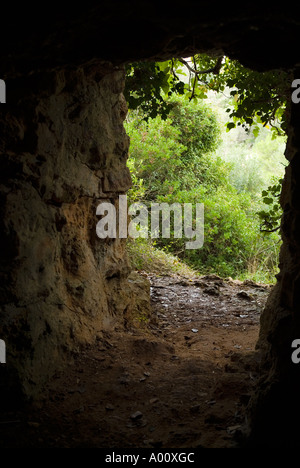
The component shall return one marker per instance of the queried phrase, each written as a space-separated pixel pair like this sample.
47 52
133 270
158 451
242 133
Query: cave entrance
63 146
207 305
208 137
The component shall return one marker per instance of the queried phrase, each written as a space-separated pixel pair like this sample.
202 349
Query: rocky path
209 300
182 382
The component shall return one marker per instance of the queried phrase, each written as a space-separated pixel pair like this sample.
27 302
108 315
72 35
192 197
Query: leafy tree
155 154
173 161
200 132
148 87
257 98
171 144
173 154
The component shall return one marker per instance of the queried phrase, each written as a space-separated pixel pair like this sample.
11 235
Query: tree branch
215 69
270 230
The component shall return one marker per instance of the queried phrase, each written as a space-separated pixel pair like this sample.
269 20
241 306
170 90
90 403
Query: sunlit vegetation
182 151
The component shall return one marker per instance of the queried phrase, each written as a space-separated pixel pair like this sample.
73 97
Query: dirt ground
182 382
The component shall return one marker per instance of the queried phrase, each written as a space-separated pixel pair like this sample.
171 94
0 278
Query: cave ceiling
263 37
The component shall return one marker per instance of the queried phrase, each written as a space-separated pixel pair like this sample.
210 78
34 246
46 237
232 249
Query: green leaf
268 200
229 126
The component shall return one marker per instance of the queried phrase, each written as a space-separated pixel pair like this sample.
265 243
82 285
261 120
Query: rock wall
63 150
275 409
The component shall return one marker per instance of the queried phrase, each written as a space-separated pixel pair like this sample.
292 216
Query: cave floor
182 381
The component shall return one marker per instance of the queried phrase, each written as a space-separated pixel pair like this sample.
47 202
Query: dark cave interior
63 147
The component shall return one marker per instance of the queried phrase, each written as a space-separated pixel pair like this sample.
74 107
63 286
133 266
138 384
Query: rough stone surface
275 405
121 31
64 150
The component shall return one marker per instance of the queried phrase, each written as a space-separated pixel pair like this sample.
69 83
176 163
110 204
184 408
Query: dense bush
175 160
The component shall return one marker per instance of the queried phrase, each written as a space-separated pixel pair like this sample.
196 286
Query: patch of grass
260 276
146 257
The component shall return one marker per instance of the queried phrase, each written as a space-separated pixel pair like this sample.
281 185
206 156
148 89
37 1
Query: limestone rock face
277 397
64 150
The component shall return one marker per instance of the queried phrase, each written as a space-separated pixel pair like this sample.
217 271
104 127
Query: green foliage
200 132
145 256
155 153
270 216
173 154
176 156
147 84
256 164
256 98
137 190
174 160
228 233
253 161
